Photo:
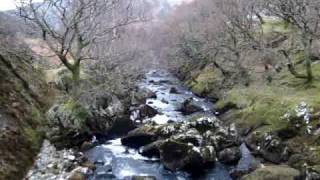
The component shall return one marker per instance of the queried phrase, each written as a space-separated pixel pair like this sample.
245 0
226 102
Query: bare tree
72 27
303 15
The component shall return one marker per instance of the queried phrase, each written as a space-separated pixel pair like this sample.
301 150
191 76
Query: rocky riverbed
176 136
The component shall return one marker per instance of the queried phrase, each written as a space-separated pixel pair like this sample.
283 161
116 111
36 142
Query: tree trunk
307 51
291 67
76 78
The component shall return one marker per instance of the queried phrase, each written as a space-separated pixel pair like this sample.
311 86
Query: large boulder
229 155
269 146
140 136
141 95
142 112
67 124
180 156
191 136
149 133
205 123
273 173
105 109
246 164
189 106
222 137
151 150
72 122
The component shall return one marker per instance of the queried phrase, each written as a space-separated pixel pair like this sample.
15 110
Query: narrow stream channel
115 161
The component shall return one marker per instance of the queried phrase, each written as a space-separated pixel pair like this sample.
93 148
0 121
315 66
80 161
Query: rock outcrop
22 92
187 145
95 112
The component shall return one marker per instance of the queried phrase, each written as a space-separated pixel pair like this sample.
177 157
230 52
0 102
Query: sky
9 4
177 2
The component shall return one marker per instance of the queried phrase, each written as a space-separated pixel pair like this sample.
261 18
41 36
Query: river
115 161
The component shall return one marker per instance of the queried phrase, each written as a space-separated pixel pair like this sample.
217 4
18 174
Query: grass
268 103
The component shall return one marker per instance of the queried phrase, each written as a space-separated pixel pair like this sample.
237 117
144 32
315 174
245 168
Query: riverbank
277 118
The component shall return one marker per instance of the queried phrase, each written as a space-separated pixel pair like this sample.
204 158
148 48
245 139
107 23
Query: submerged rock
173 90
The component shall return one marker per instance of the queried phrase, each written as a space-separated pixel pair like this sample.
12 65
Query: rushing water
115 161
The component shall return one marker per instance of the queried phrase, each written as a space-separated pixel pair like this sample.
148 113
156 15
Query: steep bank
22 104
278 118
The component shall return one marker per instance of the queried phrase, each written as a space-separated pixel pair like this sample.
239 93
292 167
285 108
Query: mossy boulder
96 111
67 124
207 82
273 173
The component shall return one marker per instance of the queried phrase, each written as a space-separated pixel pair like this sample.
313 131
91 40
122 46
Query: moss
314 156
19 87
273 173
36 115
33 137
205 81
273 25
268 104
78 111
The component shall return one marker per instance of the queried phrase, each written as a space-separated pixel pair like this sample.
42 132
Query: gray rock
141 95
67 123
146 111
104 108
143 178
190 107
191 136
151 150
173 90
229 155
180 156
140 136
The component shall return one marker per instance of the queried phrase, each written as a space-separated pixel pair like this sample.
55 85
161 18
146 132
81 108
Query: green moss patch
274 25
78 111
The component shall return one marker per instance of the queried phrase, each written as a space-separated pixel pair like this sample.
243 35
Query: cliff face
21 110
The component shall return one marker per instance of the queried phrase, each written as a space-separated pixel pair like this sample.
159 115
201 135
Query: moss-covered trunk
307 44
76 78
